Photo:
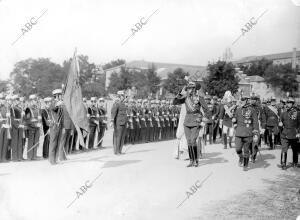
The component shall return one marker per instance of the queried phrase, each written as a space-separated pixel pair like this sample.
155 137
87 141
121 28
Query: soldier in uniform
46 121
66 133
246 131
102 121
138 110
143 122
5 135
255 102
194 118
55 124
33 122
226 114
118 121
209 123
93 116
272 120
150 123
215 116
17 130
290 122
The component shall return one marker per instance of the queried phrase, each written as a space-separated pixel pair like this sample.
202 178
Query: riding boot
283 160
246 164
195 150
225 140
230 140
241 158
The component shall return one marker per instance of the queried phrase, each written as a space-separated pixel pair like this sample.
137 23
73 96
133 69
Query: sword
36 144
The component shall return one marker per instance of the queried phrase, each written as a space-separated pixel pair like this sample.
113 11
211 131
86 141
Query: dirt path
148 183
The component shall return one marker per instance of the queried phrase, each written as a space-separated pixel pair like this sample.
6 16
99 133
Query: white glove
297 135
111 124
7 114
255 138
262 130
234 120
280 124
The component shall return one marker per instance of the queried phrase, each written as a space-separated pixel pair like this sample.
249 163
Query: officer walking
246 131
194 117
290 122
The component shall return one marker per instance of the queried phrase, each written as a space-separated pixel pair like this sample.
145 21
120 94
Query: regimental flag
73 101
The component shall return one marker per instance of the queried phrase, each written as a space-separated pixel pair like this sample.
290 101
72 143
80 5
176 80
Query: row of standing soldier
25 122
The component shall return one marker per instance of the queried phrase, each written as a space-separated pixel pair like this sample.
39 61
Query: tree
39 76
175 81
121 81
283 77
221 78
153 80
257 67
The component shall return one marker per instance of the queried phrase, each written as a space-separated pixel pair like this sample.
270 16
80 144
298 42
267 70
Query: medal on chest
247 116
292 114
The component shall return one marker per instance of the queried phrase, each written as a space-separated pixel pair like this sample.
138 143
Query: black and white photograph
150 110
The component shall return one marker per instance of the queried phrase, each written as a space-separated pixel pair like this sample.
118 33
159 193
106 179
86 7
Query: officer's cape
73 101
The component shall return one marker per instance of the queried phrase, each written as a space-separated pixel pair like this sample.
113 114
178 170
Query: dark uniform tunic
291 127
119 119
271 124
33 124
46 126
18 134
102 125
247 125
93 116
192 120
5 135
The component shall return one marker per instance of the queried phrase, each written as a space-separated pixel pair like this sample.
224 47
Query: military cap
2 96
32 96
139 100
283 100
84 99
145 100
56 92
47 99
21 99
290 100
163 101
191 85
215 97
121 92
93 99
152 101
101 99
157 101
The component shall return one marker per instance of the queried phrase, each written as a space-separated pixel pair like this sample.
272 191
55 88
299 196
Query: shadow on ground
279 201
261 161
211 158
115 163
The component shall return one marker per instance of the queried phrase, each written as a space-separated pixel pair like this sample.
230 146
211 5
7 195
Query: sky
180 31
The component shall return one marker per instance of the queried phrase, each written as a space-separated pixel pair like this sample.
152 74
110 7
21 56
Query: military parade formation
246 123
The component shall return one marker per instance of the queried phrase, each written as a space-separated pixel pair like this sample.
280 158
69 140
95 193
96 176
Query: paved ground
147 183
